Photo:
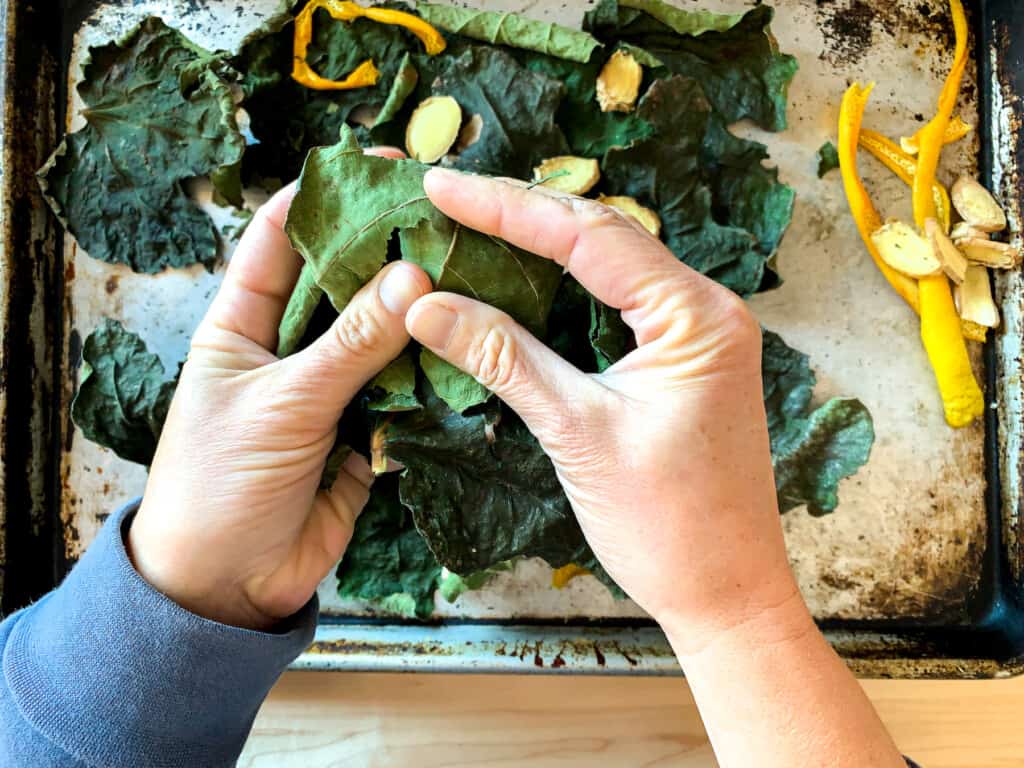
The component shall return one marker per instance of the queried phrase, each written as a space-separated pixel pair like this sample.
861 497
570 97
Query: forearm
772 692
105 670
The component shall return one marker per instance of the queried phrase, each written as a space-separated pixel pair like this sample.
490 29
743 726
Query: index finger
616 262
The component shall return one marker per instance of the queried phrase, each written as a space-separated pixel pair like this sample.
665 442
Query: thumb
548 393
369 334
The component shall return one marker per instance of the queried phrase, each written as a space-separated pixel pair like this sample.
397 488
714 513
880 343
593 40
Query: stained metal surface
910 545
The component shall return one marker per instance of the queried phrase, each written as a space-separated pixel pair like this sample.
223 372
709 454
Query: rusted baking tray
917 574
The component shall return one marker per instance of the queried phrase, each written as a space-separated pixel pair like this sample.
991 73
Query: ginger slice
647 218
902 248
954 263
433 128
618 85
568 173
990 253
977 206
974 298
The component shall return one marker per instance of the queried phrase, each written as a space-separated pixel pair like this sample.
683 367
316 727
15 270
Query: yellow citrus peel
943 339
565 574
366 74
955 131
904 166
865 215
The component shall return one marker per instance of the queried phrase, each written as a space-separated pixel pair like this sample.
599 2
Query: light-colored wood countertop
319 719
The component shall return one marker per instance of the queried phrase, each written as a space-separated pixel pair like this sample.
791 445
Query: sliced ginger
902 248
568 173
618 85
647 218
964 231
990 253
974 298
977 206
954 263
433 128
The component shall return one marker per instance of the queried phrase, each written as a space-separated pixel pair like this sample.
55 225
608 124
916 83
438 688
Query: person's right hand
664 456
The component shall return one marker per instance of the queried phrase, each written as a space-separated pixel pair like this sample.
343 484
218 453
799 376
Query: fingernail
434 325
399 289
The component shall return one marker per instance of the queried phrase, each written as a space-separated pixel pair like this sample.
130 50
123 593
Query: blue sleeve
106 671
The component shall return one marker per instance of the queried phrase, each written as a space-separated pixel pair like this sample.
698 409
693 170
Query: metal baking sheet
924 546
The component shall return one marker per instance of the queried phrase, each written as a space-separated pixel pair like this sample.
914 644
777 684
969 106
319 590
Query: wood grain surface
319 719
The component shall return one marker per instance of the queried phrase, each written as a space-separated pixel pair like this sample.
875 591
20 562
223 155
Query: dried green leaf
394 388
124 394
512 30
458 390
403 84
302 304
387 561
812 448
158 110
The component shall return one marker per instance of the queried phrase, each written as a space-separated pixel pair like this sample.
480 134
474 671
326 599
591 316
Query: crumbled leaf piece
388 558
828 158
643 57
517 111
458 390
610 337
512 30
451 586
158 110
569 174
403 84
734 57
977 206
335 459
905 250
812 449
647 218
394 388
618 84
481 488
974 298
124 394
433 128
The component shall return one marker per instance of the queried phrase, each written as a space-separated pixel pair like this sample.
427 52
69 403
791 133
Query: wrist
181 574
777 616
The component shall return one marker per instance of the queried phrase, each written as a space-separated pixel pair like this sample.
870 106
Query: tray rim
991 646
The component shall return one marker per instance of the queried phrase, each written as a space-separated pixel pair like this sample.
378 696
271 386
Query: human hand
232 526
665 456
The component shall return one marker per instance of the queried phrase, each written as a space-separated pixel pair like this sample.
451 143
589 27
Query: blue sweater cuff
115 673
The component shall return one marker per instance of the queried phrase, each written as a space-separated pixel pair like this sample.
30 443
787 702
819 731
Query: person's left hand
232 526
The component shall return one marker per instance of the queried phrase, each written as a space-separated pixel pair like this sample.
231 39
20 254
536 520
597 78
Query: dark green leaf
458 390
512 30
480 487
394 388
516 107
387 558
735 58
124 394
302 305
812 449
403 84
610 337
158 110
828 158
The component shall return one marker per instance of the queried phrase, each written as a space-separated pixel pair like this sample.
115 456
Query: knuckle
358 331
496 360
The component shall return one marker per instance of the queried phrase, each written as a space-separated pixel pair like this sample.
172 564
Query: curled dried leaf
647 218
568 173
977 206
902 248
433 128
618 85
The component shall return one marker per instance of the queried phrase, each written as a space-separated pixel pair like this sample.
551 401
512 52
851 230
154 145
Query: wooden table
316 720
